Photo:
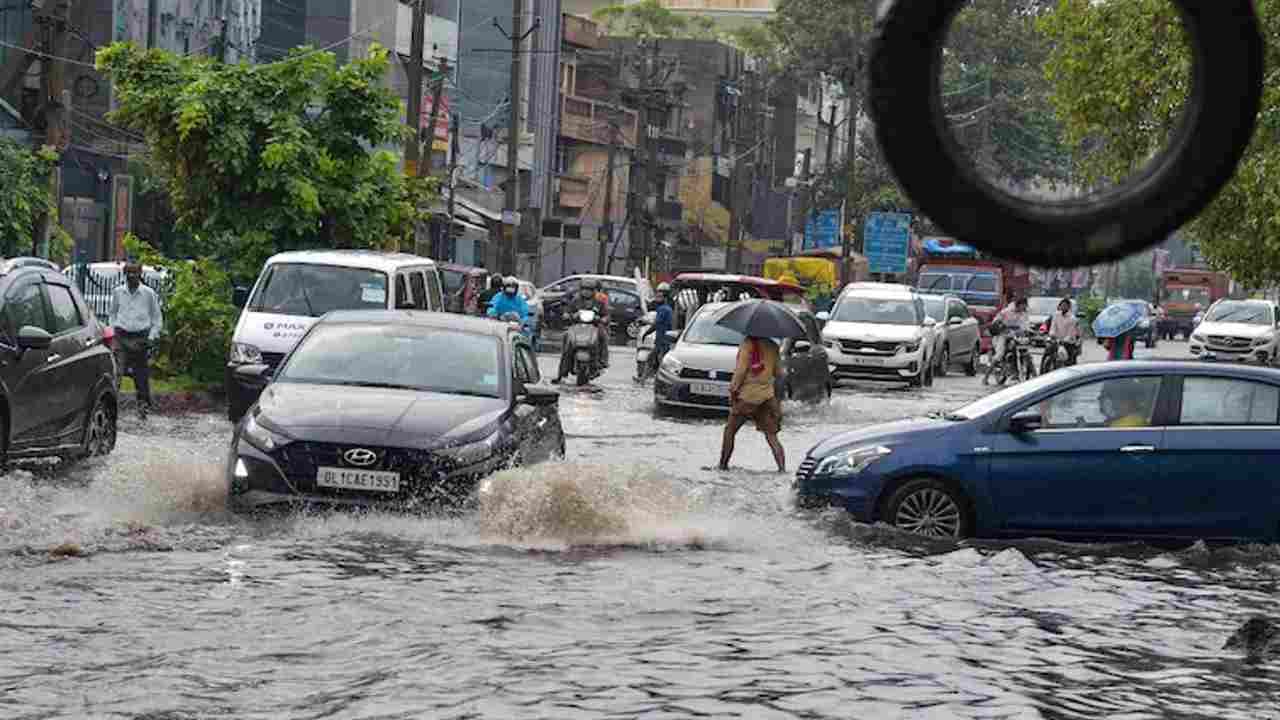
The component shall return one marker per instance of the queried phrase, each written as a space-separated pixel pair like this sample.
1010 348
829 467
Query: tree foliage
262 158
25 197
1120 78
649 20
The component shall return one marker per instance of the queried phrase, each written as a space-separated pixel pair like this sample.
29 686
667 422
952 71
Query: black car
407 408
57 375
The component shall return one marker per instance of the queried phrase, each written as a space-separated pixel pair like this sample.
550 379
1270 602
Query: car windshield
1042 305
1240 312
1008 395
1187 295
453 280
883 311
934 307
397 356
313 290
934 281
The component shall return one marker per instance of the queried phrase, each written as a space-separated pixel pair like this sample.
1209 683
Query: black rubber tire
928 374
944 362
971 369
1202 154
904 507
100 430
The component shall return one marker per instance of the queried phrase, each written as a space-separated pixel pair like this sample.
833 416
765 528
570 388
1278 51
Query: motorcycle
582 339
513 319
646 338
1017 363
1058 354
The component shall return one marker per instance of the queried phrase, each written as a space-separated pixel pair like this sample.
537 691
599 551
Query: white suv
880 330
1238 330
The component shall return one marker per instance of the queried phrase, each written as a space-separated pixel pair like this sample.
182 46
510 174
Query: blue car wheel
930 507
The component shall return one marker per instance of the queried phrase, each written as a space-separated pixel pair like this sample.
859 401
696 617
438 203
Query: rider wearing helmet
663 320
509 301
586 299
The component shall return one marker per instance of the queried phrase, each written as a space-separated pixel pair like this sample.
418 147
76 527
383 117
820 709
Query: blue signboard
886 240
822 230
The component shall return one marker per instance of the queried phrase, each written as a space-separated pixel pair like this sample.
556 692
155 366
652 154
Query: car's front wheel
926 506
945 363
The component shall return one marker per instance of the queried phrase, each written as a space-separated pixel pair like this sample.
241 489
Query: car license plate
869 362
713 389
349 479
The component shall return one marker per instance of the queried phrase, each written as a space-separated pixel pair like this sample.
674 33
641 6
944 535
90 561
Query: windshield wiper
373 384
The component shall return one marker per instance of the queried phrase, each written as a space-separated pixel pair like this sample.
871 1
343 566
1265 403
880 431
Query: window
526 365
66 316
1115 403
25 306
419 290
313 290
435 297
956 309
1223 401
404 301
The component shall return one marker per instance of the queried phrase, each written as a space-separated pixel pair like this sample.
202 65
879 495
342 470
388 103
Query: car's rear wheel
945 362
929 507
100 431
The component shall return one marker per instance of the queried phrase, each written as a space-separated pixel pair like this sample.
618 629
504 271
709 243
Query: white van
295 288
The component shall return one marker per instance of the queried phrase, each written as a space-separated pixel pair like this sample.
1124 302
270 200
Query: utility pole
507 258
607 226
436 92
55 103
450 251
851 244
417 38
831 135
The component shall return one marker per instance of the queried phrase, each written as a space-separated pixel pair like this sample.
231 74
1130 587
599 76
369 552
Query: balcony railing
588 120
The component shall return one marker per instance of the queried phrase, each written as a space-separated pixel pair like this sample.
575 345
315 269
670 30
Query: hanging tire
929 507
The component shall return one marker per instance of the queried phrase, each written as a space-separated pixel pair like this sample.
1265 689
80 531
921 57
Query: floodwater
628 581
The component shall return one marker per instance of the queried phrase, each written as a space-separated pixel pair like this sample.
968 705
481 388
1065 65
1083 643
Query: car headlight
671 364
244 354
471 453
851 462
911 347
1196 338
260 437
1259 342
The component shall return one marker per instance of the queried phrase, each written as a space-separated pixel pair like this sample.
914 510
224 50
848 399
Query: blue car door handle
1137 449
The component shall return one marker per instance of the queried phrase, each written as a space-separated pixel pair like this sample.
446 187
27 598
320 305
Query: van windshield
313 290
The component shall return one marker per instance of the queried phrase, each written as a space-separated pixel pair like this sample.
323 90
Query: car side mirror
240 296
823 316
256 371
673 335
1025 422
538 397
31 337
955 321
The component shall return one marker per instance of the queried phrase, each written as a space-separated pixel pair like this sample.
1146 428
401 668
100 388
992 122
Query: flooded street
629 581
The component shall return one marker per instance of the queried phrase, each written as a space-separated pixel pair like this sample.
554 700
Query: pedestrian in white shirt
1065 327
135 316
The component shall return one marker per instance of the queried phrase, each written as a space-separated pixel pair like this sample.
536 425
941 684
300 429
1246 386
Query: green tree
1120 77
262 158
649 20
25 198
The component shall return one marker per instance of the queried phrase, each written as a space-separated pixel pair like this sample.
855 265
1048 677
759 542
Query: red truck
1185 293
984 283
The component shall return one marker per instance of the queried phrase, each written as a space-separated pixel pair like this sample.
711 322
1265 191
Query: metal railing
97 286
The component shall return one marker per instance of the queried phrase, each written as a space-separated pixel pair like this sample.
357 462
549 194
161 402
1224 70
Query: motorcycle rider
1065 328
585 300
663 322
1014 319
509 301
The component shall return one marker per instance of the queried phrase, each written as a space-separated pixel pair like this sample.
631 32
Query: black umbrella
762 318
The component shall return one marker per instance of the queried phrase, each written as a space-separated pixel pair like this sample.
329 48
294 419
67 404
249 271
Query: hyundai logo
360 457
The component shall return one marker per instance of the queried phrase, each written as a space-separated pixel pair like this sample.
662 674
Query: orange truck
1187 292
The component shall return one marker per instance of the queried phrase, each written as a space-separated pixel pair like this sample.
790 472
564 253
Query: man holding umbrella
752 394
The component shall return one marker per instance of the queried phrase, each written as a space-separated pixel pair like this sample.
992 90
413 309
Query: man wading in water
135 316
752 397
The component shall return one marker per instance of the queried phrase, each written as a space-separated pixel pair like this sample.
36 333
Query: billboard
822 230
886 241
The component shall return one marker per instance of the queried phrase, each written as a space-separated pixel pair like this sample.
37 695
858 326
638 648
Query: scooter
526 327
1058 354
582 339
646 335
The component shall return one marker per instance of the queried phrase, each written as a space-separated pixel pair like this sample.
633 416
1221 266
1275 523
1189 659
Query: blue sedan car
1121 449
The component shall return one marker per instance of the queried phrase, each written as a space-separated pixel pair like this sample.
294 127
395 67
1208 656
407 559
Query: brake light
1044 328
108 334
